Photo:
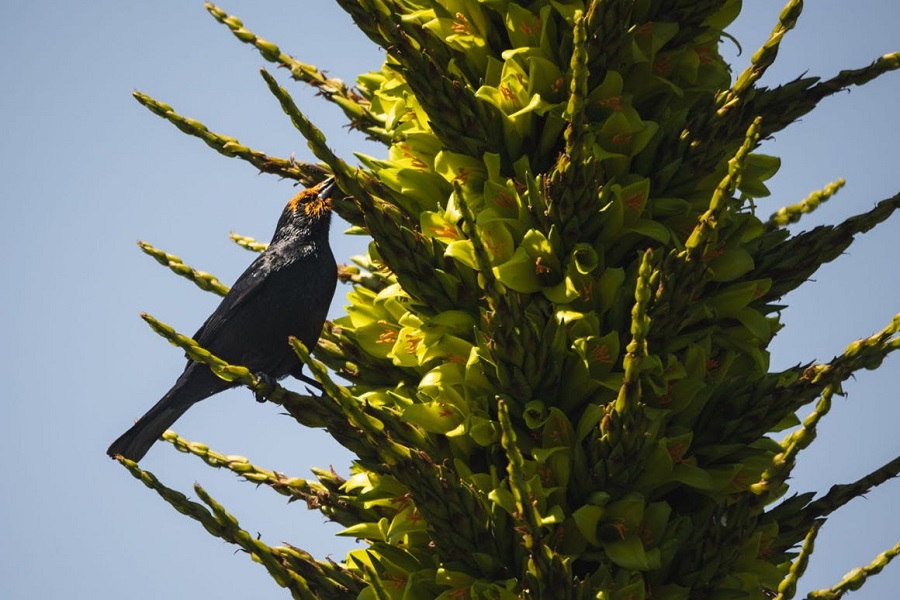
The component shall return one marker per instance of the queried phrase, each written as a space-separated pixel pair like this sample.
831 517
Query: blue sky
87 172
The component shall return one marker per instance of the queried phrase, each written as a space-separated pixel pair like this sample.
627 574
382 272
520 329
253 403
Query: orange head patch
309 201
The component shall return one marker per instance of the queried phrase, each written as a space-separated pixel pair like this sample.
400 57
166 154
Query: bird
285 292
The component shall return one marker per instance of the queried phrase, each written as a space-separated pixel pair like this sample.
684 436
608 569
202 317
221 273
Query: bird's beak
326 188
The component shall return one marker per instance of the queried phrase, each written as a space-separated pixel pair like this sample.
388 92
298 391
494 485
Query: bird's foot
268 386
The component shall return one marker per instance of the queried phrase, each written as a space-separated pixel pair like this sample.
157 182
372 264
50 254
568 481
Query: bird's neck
306 234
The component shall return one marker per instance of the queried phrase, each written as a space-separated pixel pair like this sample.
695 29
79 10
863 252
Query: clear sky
86 172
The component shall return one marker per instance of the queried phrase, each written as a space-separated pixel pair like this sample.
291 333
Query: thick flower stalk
553 365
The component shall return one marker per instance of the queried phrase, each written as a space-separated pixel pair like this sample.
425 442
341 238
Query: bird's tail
196 383
134 443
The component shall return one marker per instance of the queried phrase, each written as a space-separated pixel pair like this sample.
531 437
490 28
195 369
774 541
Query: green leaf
483 432
652 229
757 169
518 273
464 252
600 354
368 531
733 263
629 553
434 417
734 298
502 497
587 519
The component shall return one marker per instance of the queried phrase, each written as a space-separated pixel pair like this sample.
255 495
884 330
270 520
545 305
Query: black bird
285 292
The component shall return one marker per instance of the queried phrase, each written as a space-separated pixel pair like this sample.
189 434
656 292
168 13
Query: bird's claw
267 386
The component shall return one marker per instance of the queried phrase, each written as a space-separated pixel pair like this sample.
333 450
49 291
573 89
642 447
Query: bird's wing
248 285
